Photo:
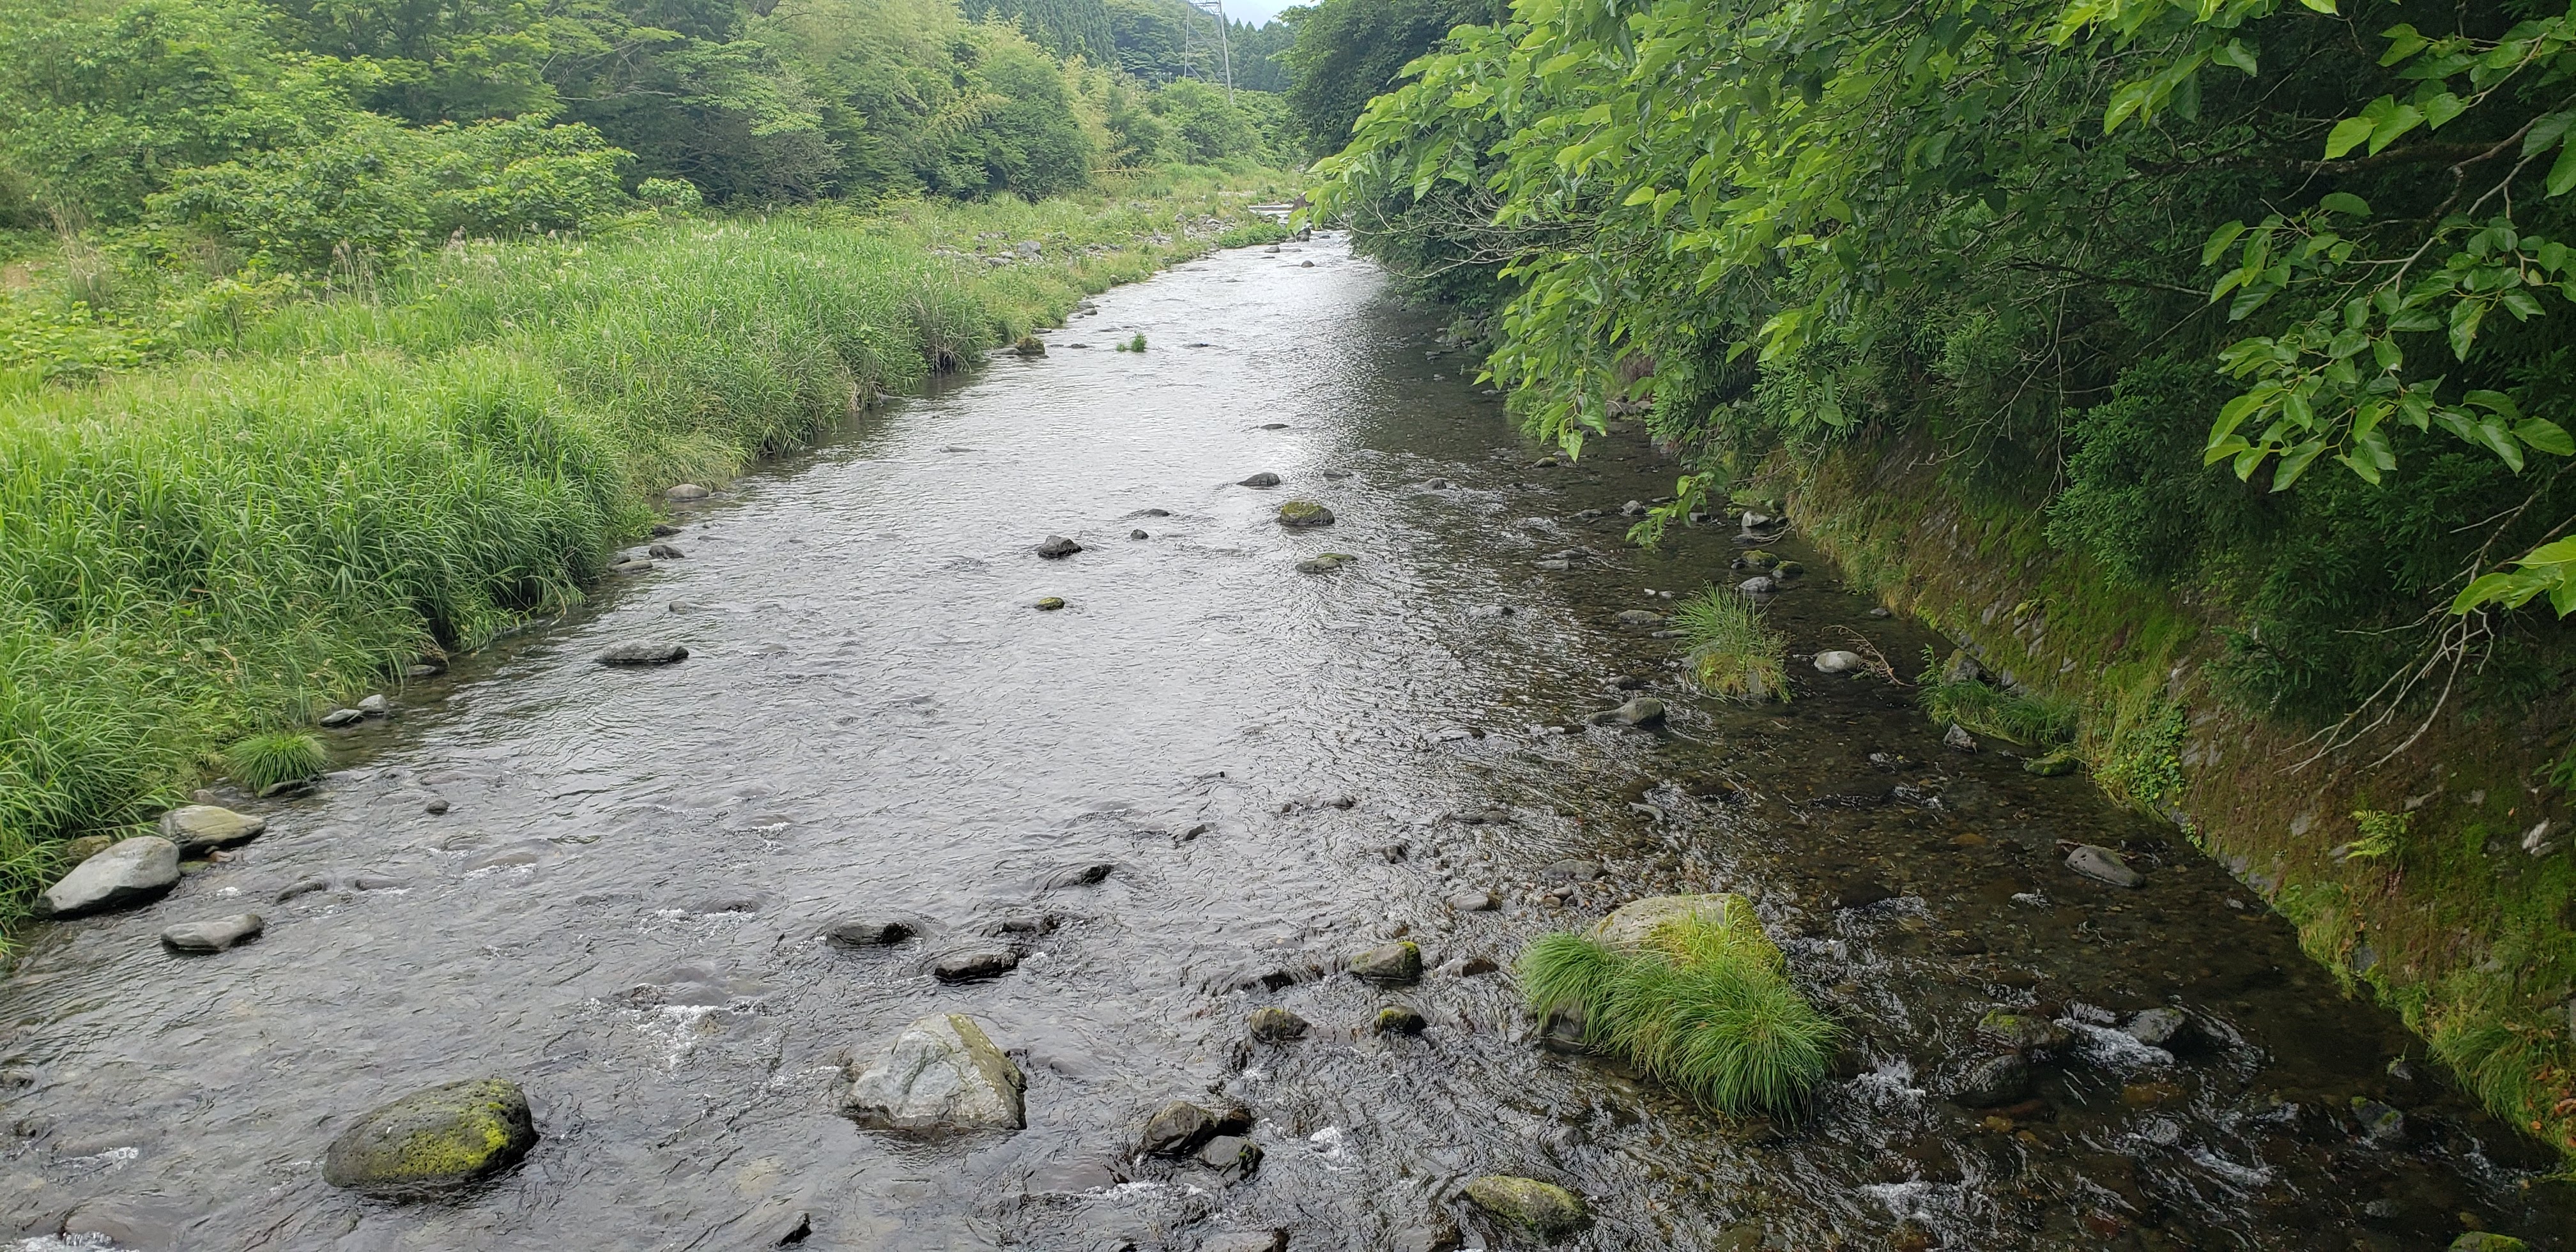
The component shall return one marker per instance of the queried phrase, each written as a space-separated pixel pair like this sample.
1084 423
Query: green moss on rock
1544 1209
433 1141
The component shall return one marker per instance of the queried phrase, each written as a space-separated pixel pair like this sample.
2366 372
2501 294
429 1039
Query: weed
1706 1006
265 760
2013 716
2144 761
1136 344
1257 231
2382 836
1733 653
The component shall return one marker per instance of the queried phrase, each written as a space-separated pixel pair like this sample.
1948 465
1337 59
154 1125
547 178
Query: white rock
1837 662
941 1073
129 872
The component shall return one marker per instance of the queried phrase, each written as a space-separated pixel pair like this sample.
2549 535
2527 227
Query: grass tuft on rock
1733 653
1706 1006
1993 712
265 760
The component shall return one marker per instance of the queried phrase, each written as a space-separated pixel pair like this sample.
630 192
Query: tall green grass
1733 653
287 514
1706 1006
1985 709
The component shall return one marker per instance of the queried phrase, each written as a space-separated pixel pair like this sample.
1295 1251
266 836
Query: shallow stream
618 909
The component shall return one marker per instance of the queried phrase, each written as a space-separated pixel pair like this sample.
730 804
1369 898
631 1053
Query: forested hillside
2225 348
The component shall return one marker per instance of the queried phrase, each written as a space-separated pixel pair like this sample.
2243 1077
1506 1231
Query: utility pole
1224 48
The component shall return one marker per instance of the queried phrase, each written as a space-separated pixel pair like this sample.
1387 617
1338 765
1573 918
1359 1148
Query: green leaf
2483 590
2295 462
2501 442
2443 108
2403 118
2548 130
2464 326
2347 135
2495 402
2238 54
2403 42
2546 435
2218 241
2562 174
2341 202
2383 350
2321 6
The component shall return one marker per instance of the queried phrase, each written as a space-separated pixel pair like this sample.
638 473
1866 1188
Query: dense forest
2236 337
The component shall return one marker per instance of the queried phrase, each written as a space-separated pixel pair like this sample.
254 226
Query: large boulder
941 1074
434 1141
130 872
1544 1209
201 828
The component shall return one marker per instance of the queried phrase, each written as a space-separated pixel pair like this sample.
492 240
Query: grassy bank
263 517
2408 875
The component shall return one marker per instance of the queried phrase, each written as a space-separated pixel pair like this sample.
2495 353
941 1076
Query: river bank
279 520
1194 793
2465 924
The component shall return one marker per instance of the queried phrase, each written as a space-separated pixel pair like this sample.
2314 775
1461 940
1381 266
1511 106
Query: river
618 909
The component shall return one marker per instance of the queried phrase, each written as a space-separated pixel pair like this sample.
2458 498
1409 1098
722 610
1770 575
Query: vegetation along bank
2203 370
331 345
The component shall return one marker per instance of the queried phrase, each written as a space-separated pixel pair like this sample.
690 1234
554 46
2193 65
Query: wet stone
202 828
435 806
942 1074
1049 604
129 872
1181 1127
1138 534
975 965
2056 764
1543 1209
1273 1024
1263 479
1397 1019
1304 514
1837 661
433 1141
1995 1080
1758 585
2160 1028
1390 965
868 930
686 491
2487 1241
337 718
1474 902
1640 617
2022 1032
1233 1157
1247 1241
665 552
644 653
373 706
1957 739
1469 966
1057 547
664 530
212 936
2103 865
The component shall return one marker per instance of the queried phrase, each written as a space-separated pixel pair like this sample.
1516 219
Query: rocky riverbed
1024 822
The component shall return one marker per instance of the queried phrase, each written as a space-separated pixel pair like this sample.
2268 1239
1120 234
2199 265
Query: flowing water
619 908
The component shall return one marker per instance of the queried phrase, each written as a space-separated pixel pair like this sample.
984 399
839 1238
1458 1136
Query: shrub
265 760
1706 1006
1733 654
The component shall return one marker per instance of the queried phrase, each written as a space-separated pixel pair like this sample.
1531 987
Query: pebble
1837 661
1138 534
1049 604
1474 902
1640 617
436 806
212 936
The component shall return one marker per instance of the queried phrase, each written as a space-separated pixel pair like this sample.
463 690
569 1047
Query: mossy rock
1304 513
2054 765
1634 926
1544 1209
1397 964
434 1141
1760 558
2487 1241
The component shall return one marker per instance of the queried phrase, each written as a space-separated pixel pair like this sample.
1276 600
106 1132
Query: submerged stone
213 936
130 872
641 653
202 828
1995 1080
1057 547
2160 1028
2022 1032
2103 865
1397 1019
686 491
1181 1127
1263 479
1544 1209
941 1074
2487 1241
976 965
2056 764
433 1141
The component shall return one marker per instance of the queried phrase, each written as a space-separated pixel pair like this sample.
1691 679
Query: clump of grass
1706 1006
1991 711
1136 344
1733 653
265 760
1258 230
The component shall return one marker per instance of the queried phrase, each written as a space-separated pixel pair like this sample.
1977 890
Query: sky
1257 11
